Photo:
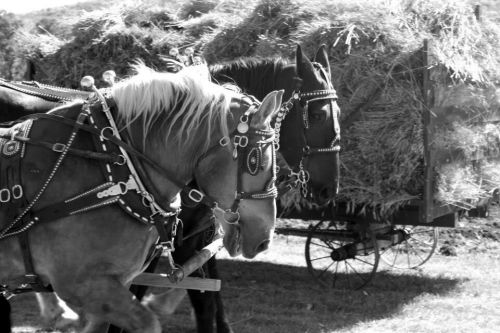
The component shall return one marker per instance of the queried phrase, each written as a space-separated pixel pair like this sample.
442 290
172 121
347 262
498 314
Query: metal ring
107 128
147 199
121 160
306 150
4 195
224 141
123 187
195 195
17 191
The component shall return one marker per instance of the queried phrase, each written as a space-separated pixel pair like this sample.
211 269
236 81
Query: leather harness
121 186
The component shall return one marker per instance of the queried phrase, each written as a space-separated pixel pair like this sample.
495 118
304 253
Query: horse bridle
301 177
252 143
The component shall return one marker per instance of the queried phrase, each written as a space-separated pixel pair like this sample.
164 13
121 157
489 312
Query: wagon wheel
418 246
334 259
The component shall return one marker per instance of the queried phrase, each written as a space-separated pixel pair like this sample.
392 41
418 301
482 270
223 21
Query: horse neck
15 104
168 155
258 79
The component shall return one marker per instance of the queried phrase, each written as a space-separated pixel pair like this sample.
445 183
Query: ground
455 291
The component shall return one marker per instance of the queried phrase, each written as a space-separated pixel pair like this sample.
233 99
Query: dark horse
309 137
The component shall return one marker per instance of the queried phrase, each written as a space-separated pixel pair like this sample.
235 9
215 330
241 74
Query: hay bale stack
376 57
106 39
376 52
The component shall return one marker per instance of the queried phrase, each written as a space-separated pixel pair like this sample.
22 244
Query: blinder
248 146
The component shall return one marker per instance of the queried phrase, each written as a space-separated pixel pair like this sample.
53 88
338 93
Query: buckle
195 195
58 147
240 140
166 246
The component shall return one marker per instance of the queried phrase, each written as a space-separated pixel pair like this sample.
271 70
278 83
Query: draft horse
308 131
309 134
119 171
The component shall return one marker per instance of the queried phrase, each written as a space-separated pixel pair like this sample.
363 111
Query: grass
275 293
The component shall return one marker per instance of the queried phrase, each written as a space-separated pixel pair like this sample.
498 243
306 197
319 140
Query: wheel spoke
366 262
418 247
352 273
320 258
355 271
325 270
421 242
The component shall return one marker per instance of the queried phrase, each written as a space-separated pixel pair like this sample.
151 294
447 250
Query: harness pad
11 155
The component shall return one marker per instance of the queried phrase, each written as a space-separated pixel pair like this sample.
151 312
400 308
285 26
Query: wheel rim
415 250
352 273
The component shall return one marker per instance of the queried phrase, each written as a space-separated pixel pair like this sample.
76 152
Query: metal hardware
240 140
58 147
195 195
121 160
17 191
107 128
224 141
4 195
118 189
109 77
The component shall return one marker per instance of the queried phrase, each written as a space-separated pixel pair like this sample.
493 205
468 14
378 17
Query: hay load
376 56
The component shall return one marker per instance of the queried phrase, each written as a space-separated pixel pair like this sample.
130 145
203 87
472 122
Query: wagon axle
365 247
392 238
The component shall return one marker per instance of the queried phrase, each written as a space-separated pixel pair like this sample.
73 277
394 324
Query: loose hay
376 58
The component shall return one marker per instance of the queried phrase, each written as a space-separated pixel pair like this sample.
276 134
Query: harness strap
59 147
208 201
50 93
30 278
5 232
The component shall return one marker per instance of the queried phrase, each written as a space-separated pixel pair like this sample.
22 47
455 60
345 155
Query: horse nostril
263 246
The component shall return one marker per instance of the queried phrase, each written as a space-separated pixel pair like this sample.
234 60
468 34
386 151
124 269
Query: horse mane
183 106
258 76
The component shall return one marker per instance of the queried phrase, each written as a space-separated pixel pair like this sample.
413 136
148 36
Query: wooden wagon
343 247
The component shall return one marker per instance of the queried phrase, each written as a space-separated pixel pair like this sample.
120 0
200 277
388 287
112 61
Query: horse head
311 130
247 214
220 138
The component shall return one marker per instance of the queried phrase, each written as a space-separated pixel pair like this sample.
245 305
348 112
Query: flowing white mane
186 104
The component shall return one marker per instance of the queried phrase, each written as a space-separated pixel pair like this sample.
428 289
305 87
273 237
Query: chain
282 113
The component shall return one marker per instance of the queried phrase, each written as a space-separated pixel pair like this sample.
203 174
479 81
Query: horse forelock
186 106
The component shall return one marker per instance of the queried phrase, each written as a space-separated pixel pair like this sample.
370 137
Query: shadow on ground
265 297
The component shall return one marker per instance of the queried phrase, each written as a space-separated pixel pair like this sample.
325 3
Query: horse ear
322 58
302 63
270 105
